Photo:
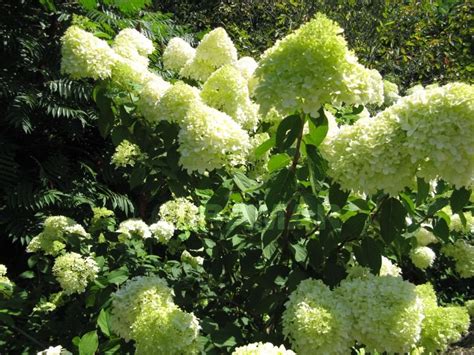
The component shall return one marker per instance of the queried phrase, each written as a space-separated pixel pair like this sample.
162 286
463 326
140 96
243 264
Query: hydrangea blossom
177 53
130 72
463 255
52 240
126 153
210 139
422 257
226 90
428 134
143 310
162 231
133 297
386 312
389 269
182 213
215 50
150 95
470 307
5 283
194 261
85 56
425 237
456 223
311 67
54 350
134 228
390 93
246 66
74 272
132 45
176 101
315 322
262 349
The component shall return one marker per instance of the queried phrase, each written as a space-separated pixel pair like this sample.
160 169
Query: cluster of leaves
410 42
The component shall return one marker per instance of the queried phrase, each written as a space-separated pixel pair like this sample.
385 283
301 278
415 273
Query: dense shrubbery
275 212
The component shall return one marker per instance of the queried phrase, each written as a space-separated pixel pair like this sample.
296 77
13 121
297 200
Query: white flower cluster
388 268
227 90
131 44
163 231
262 349
422 257
143 310
246 66
74 272
390 93
456 223
441 325
85 56
194 261
181 213
428 134
54 350
127 153
315 322
425 237
5 283
215 50
382 312
463 254
134 228
177 53
312 67
52 240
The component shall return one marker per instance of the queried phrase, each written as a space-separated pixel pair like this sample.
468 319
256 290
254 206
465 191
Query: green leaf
89 343
103 321
459 199
337 196
437 205
281 188
271 233
117 276
441 229
244 183
392 219
264 147
278 161
288 131
353 227
217 202
318 129
137 177
369 254
315 253
299 252
248 212
423 189
106 118
317 167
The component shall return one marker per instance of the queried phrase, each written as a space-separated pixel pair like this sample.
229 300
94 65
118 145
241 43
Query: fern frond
69 89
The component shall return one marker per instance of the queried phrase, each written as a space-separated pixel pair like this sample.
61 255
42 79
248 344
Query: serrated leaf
278 161
244 183
89 343
217 202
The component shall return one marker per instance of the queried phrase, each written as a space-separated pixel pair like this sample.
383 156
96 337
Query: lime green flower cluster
246 66
441 325
182 213
456 223
422 257
390 93
425 237
127 153
463 254
85 56
192 260
388 268
54 350
215 50
226 90
150 96
52 240
143 310
386 313
74 272
262 349
131 44
177 53
133 228
315 321
209 139
176 102
428 134
470 307
312 67
6 285
163 231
